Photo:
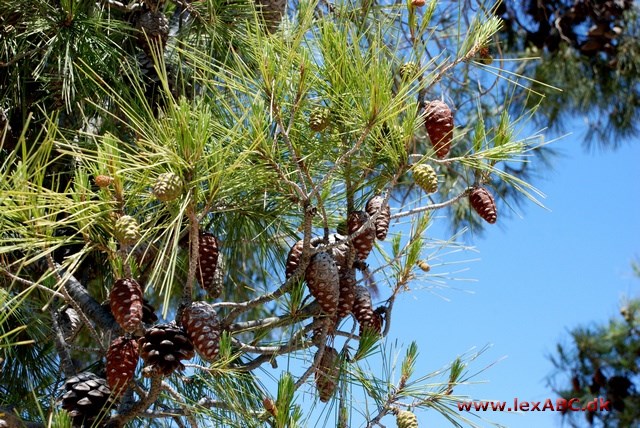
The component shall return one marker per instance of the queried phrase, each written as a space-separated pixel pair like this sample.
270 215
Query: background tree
589 50
602 361
194 186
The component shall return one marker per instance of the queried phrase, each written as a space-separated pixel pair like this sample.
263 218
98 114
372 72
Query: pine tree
131 131
601 361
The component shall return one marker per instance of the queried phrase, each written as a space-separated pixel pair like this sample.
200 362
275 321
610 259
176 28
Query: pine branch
432 206
89 306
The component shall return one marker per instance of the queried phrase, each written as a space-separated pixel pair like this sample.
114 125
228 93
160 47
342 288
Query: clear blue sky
538 277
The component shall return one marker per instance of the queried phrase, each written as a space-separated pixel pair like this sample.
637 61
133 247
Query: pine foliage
102 101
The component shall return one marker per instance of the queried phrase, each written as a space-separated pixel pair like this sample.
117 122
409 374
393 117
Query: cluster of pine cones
162 347
331 278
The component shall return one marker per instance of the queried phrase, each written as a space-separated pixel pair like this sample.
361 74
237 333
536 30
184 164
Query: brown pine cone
271 11
86 397
362 309
347 291
374 325
126 304
162 347
330 323
293 258
375 204
103 181
201 323
153 26
483 203
323 281
439 124
327 374
363 243
207 263
122 358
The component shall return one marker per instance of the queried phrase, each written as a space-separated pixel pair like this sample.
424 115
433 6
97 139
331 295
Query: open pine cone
86 397
163 346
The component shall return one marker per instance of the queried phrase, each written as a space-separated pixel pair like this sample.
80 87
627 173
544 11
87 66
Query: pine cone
330 323
86 396
126 304
122 358
406 419
319 119
167 187
375 204
374 325
293 258
208 263
323 281
69 322
127 230
272 11
103 181
408 70
217 282
154 26
347 296
363 243
201 324
163 346
327 374
362 309
483 203
439 125
426 177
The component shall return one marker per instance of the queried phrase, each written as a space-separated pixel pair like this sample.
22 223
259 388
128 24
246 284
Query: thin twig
432 206
178 398
28 283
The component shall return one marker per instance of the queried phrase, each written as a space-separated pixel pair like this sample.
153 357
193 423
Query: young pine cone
375 204
208 263
319 119
163 346
483 203
126 304
363 243
122 358
86 397
327 374
323 281
439 124
167 187
426 177
127 230
406 419
201 324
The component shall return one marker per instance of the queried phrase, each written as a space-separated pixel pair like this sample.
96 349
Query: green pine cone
319 119
127 230
168 186
406 419
426 177
409 69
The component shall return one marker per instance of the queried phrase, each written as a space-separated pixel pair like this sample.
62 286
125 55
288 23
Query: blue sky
538 276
